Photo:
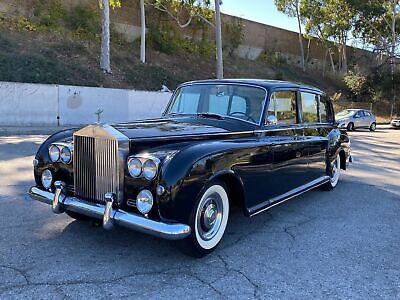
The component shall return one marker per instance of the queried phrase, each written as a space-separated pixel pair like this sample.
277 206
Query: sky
262 11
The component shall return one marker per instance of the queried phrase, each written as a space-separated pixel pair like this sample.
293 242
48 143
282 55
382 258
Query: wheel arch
235 187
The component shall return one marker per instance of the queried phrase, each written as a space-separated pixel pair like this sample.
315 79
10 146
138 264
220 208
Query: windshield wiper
210 115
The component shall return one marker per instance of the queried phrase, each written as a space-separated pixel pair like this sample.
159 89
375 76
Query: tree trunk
142 32
332 62
300 37
344 56
105 65
218 41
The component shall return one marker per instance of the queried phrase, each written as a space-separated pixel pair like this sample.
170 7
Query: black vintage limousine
255 143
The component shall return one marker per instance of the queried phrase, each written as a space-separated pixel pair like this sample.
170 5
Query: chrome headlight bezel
150 169
149 166
66 150
135 167
54 153
60 148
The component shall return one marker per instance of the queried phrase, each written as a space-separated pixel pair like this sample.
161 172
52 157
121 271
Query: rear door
315 120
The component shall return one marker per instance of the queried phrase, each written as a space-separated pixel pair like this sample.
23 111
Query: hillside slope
51 57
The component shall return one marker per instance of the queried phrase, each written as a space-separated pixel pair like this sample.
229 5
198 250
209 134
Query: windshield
219 100
345 113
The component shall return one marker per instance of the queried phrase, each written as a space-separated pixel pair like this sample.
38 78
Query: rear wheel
350 126
334 174
372 127
208 220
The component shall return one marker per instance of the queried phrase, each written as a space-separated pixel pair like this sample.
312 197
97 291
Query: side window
309 105
282 105
367 113
324 110
187 102
359 114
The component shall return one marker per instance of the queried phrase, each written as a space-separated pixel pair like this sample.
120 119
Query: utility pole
143 32
392 56
218 40
105 65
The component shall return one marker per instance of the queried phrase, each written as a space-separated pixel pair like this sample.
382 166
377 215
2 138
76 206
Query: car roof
265 83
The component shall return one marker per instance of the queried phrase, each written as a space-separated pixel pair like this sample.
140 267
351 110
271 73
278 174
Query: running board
289 195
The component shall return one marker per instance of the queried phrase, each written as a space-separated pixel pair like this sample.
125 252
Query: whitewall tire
334 174
208 220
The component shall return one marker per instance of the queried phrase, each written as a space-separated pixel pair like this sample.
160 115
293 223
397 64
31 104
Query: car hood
345 118
166 128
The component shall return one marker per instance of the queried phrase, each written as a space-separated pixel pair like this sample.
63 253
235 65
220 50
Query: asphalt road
339 244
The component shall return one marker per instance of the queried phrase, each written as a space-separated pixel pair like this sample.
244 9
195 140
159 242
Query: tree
184 11
105 64
378 25
292 9
312 12
331 20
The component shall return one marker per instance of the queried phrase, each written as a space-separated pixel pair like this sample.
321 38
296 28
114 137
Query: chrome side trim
255 210
170 231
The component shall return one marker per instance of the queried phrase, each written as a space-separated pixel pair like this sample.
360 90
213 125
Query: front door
286 136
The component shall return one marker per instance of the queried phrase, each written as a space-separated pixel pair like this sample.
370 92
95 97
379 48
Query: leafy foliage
235 32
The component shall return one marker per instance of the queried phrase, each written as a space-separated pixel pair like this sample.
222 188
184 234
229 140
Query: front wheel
372 127
334 174
208 220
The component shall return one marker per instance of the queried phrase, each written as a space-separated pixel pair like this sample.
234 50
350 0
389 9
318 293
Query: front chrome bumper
109 215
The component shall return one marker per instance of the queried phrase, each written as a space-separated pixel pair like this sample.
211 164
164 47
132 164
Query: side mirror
271 120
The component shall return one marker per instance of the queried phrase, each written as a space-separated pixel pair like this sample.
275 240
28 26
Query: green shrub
83 20
167 41
161 40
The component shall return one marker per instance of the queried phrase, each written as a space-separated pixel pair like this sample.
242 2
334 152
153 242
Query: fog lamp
144 201
47 179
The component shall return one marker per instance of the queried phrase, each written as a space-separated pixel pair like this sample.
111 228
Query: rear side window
282 105
309 107
325 110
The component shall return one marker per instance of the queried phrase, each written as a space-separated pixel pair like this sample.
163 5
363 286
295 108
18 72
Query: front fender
42 154
189 171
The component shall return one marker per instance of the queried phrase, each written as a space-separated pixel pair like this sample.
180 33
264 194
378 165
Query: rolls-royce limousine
219 143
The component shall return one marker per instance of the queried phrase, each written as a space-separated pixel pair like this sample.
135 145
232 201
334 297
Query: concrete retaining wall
23 104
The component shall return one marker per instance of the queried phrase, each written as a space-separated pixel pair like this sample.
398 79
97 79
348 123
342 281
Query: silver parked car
395 123
356 118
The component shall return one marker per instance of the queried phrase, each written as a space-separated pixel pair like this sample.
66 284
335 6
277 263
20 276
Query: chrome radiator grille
95 167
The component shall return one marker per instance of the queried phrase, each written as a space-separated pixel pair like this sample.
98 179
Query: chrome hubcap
210 217
335 171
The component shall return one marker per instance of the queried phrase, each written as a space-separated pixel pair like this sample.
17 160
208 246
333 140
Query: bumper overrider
110 216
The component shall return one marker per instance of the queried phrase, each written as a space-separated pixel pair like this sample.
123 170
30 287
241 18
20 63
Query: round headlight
66 155
144 201
135 167
54 153
149 169
47 179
